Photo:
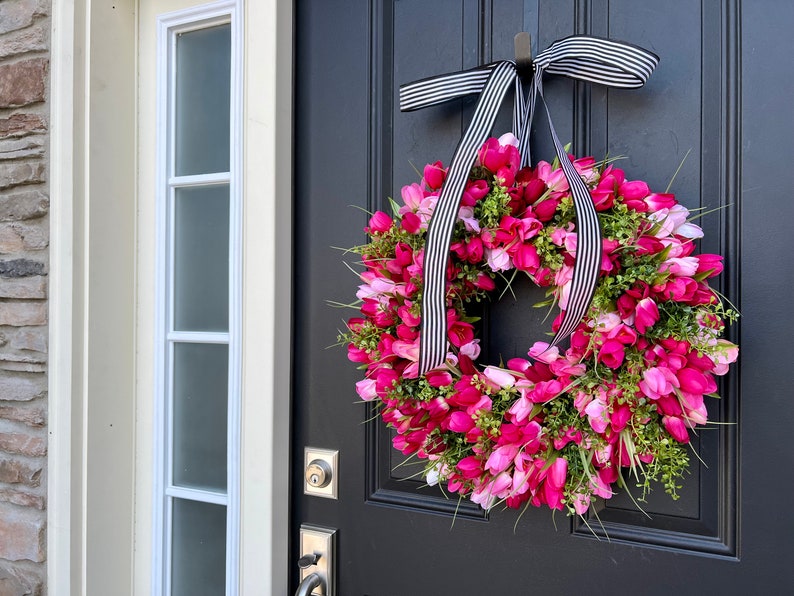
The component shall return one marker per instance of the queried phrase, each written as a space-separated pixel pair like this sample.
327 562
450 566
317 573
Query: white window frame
169 25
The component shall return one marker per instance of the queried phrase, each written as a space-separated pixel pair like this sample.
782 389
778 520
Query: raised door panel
665 135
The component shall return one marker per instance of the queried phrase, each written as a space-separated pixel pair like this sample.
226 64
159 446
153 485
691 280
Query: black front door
723 91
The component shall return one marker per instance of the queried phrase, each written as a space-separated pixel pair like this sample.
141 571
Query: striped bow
591 59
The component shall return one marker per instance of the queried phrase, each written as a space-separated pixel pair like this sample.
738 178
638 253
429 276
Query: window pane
200 389
201 259
198 559
203 81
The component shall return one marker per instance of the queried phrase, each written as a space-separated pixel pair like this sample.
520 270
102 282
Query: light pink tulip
497 259
598 415
658 381
499 376
366 389
501 458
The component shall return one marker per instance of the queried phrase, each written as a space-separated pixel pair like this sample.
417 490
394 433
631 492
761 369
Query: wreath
566 425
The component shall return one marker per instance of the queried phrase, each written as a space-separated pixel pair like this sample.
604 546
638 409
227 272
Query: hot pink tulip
438 378
656 201
635 189
693 381
709 265
460 333
411 223
384 381
646 315
677 428
526 258
434 175
355 354
620 417
379 222
460 422
470 467
612 353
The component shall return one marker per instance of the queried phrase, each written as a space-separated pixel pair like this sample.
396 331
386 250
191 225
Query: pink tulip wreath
562 427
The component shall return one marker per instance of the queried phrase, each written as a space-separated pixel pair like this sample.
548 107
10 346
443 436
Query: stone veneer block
23 444
34 39
20 14
22 387
16 237
19 314
16 174
13 471
19 148
23 83
23 205
21 498
19 580
22 534
30 415
34 287
18 125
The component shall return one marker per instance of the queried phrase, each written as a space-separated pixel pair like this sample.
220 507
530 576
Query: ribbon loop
591 59
598 60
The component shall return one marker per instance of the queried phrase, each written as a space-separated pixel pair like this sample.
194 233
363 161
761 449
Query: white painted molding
267 298
90 453
59 419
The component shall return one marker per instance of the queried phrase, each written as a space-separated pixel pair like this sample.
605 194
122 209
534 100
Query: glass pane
203 83
198 559
201 259
199 427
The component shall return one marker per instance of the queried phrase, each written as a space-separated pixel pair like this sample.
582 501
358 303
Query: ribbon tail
433 335
588 246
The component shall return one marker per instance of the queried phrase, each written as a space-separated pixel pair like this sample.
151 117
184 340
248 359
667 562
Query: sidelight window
199 301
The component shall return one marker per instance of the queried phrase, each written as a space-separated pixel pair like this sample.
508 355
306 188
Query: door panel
354 147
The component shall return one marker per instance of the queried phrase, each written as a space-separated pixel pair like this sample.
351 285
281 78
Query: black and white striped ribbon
592 59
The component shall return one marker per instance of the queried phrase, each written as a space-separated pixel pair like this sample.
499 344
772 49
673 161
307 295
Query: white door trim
267 275
65 180
91 377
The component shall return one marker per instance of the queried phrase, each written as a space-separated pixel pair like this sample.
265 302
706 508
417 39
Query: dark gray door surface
723 90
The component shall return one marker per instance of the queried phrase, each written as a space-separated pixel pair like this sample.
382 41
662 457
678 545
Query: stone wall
24 232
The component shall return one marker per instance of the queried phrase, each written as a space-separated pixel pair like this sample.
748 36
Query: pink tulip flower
677 428
646 315
612 353
366 389
434 175
501 458
500 377
658 381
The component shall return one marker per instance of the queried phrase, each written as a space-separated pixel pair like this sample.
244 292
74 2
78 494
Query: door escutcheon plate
321 472
320 541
